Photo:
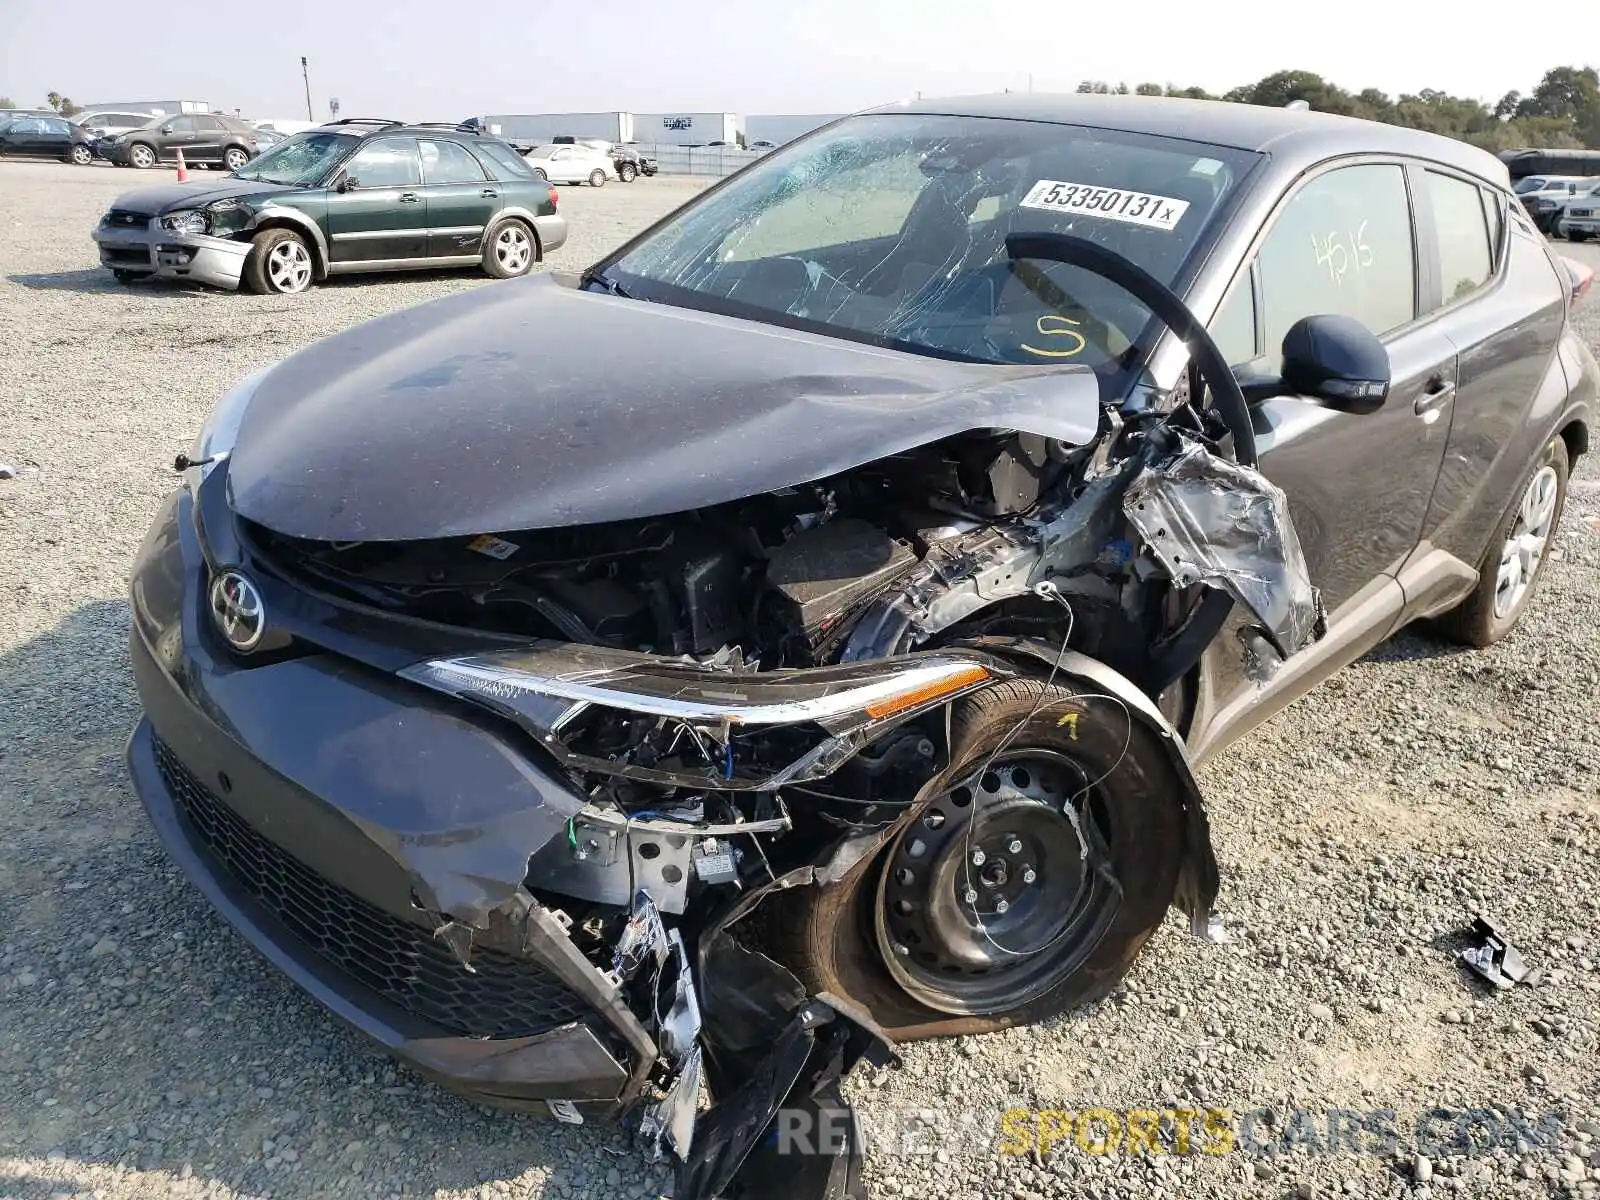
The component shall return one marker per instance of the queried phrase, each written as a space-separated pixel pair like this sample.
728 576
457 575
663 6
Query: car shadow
1416 643
143 1034
96 280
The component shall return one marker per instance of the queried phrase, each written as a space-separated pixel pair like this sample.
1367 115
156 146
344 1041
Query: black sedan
1001 460
46 137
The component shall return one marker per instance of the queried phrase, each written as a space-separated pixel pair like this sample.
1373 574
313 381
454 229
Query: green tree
7 102
1565 92
61 104
1150 89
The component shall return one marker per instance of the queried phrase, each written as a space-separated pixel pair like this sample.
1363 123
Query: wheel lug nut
970 896
1015 846
979 858
1000 906
902 950
1029 875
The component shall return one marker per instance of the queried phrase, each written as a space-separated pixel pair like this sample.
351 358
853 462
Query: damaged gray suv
596 745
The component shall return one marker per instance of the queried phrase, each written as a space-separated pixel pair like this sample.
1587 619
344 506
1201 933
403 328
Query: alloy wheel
289 267
82 155
992 897
142 157
1526 543
512 249
235 159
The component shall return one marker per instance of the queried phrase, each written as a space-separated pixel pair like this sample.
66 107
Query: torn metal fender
1199 879
1225 526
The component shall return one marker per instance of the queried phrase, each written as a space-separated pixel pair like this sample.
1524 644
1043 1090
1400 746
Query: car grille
133 256
121 218
402 962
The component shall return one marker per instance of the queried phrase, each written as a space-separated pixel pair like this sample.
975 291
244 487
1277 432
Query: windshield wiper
605 281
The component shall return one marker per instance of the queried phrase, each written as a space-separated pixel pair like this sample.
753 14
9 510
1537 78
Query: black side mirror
348 184
1334 360
166 129
1338 361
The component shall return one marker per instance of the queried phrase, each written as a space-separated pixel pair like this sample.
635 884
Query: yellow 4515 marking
1051 325
1070 723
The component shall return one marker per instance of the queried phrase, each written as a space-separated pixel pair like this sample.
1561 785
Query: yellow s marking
1051 325
1070 722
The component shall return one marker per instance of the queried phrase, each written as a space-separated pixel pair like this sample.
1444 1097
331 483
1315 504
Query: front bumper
1589 224
164 254
266 784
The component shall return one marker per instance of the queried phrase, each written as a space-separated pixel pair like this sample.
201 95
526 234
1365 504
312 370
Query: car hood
534 404
169 197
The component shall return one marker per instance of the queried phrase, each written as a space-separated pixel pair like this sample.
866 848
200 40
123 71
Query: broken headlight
224 218
190 220
683 723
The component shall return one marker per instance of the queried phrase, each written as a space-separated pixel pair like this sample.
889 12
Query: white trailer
686 129
780 128
537 129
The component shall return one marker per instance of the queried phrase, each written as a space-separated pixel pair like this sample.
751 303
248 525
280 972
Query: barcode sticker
1106 203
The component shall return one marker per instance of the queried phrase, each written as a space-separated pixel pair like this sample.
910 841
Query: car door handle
409 197
489 193
1433 399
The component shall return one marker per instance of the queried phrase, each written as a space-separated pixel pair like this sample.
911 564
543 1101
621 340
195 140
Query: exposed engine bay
761 695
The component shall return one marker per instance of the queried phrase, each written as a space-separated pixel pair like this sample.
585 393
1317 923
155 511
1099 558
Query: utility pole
305 74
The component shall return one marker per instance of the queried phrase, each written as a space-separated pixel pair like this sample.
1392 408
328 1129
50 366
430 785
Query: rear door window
447 162
1342 244
1461 235
507 163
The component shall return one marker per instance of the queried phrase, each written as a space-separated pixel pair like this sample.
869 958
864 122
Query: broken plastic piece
565 1111
681 1024
670 1123
1496 959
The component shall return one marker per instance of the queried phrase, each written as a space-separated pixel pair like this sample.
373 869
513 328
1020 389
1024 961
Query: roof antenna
1299 105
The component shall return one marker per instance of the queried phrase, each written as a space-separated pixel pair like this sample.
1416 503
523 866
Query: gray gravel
145 1051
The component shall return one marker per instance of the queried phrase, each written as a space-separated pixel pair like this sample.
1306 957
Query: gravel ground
145 1051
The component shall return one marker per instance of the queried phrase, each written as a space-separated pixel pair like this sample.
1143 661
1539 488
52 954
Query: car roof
1295 134
364 128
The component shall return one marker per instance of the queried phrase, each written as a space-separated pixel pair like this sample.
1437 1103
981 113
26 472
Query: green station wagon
357 195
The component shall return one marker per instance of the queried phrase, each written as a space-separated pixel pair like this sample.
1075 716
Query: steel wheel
235 158
289 267
992 897
513 249
597 178
82 155
1527 541
142 156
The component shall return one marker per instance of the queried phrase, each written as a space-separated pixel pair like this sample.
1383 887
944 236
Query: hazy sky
436 61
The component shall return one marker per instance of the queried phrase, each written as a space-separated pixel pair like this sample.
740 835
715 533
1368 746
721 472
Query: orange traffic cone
183 171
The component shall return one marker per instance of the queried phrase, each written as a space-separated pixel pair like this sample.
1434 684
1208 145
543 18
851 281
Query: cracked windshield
892 229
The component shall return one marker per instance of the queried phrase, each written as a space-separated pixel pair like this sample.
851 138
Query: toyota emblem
237 609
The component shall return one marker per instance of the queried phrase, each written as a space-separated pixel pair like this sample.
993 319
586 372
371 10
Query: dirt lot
145 1051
